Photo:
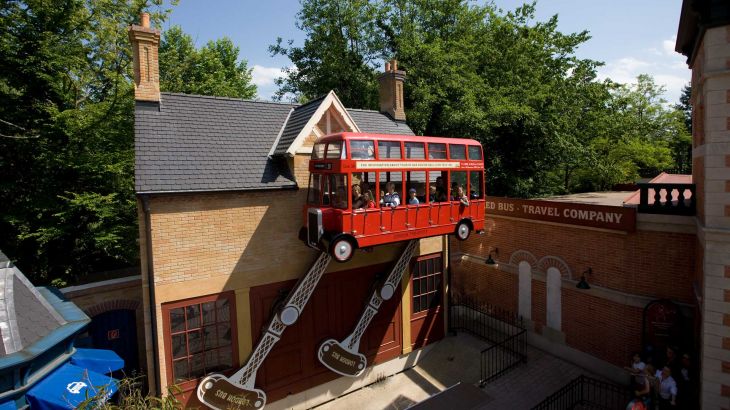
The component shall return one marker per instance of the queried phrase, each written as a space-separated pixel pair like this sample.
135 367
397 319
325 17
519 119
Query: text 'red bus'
368 190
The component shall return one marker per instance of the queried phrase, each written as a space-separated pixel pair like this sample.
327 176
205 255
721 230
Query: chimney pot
387 66
144 18
394 64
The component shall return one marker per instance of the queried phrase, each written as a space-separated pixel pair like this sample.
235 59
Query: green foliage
342 45
67 182
130 396
214 69
66 129
515 84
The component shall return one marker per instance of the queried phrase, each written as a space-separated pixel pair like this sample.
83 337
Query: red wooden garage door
332 312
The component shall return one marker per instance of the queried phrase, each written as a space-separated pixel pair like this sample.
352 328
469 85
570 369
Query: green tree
67 147
633 137
681 143
214 69
340 52
66 128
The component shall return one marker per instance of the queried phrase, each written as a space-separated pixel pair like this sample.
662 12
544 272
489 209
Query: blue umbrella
68 386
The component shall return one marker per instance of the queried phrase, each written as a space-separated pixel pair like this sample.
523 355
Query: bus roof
390 137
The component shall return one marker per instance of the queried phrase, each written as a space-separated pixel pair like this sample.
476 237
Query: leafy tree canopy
503 78
214 69
66 128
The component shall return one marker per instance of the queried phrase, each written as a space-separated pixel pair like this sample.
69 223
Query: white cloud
265 76
667 67
668 45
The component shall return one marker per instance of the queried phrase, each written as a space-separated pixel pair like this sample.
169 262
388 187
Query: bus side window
437 181
397 179
389 150
475 153
416 180
365 183
436 150
415 150
362 149
476 184
458 179
457 151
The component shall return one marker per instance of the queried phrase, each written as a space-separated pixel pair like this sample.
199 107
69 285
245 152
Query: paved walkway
456 359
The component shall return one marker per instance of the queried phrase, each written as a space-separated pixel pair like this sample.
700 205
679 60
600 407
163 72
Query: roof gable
304 119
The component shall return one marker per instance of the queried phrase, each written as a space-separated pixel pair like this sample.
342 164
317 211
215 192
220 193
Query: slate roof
378 123
192 143
199 143
25 315
296 122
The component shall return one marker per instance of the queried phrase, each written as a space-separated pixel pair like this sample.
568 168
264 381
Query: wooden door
427 300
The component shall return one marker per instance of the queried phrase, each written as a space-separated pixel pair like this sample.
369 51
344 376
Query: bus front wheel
463 229
342 249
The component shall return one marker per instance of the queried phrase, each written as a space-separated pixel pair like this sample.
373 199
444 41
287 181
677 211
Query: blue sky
631 36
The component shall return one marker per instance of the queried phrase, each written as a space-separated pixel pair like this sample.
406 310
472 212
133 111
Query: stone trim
522 255
120 304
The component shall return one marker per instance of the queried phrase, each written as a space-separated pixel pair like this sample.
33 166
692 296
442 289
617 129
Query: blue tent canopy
68 386
97 360
9 405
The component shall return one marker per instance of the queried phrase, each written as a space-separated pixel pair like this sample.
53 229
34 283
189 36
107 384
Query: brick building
219 185
541 264
704 37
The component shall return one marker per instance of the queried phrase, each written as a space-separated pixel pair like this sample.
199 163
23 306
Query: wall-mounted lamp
583 283
490 261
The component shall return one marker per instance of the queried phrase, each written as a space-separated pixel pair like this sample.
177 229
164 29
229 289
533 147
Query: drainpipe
151 289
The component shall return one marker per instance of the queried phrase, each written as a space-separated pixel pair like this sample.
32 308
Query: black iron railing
587 392
669 199
502 328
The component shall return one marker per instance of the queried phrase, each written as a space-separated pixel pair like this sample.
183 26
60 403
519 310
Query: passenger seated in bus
440 191
391 198
461 196
412 200
358 202
368 198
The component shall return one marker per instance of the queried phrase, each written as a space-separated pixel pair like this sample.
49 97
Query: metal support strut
238 391
344 357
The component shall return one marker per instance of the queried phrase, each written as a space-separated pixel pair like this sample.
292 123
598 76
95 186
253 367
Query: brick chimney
145 42
391 91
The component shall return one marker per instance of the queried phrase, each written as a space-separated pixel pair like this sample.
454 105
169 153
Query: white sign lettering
406 164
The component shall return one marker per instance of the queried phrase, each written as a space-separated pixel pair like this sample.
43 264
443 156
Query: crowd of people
665 383
363 197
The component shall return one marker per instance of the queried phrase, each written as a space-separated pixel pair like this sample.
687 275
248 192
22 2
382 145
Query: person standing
667 389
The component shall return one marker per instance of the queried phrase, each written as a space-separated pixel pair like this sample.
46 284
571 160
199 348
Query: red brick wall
486 283
649 264
646 263
605 329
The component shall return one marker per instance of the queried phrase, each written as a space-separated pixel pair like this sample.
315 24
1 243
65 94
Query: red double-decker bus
367 190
